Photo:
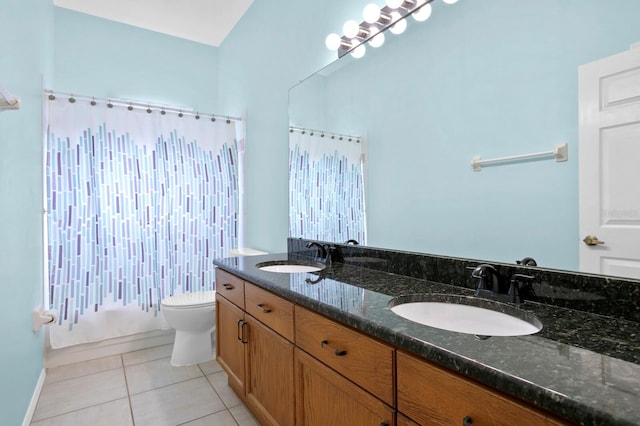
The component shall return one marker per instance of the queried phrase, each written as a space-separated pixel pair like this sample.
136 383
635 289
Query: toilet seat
190 300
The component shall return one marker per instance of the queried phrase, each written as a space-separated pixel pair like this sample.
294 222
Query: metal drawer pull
239 326
467 421
337 352
244 339
265 310
241 336
227 286
384 423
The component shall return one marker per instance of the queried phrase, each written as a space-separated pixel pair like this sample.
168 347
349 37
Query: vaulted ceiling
203 21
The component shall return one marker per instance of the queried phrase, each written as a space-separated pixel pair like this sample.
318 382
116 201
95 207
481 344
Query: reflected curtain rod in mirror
323 133
376 21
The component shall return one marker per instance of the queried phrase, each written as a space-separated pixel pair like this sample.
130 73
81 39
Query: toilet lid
190 299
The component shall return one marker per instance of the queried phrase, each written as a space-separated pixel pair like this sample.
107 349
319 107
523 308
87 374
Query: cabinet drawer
231 287
432 395
324 397
361 359
273 311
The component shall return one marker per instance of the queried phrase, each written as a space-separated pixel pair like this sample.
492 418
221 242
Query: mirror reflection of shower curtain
326 188
138 204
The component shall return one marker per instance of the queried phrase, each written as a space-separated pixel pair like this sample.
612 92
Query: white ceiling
204 21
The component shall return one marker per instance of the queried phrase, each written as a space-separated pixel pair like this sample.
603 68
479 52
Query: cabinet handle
337 352
240 321
244 339
265 310
467 421
384 423
227 286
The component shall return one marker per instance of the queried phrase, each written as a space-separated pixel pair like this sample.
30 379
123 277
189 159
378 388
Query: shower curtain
138 205
326 187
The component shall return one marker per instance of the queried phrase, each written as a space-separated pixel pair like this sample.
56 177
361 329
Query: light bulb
377 38
399 26
351 28
394 4
359 51
450 1
333 41
371 13
423 13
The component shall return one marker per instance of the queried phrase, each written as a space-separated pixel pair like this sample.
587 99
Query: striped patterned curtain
138 206
326 188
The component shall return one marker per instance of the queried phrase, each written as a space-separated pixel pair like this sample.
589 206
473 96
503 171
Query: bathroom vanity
324 348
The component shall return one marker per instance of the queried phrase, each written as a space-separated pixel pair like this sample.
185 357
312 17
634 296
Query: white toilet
193 316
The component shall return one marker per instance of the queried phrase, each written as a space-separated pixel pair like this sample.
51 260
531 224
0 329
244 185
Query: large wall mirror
487 78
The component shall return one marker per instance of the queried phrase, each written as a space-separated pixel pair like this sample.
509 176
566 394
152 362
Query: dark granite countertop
582 366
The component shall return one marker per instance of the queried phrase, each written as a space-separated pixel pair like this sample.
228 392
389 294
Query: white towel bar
560 153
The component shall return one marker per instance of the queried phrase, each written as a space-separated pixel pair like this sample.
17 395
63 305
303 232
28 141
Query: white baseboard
34 399
88 351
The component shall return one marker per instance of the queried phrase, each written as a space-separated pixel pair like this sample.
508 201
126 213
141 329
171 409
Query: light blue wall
489 78
25 59
69 52
276 44
103 58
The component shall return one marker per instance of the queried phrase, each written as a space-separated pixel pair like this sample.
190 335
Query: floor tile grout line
206 376
126 384
76 410
210 414
45 388
47 384
226 406
169 384
229 407
144 361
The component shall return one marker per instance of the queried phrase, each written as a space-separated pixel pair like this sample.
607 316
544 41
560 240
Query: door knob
592 240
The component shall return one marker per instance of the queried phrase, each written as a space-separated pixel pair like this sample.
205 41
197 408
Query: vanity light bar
377 20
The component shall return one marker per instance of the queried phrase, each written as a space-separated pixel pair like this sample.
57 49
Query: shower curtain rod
133 104
323 133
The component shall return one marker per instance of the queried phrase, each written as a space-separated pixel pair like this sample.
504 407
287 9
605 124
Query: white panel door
609 165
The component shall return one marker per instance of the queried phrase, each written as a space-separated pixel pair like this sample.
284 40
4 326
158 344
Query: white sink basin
468 315
290 266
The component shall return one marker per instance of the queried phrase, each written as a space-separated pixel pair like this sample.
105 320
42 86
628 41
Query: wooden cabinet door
230 342
361 359
432 395
269 384
324 397
405 421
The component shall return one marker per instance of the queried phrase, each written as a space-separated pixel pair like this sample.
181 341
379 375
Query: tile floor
139 388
